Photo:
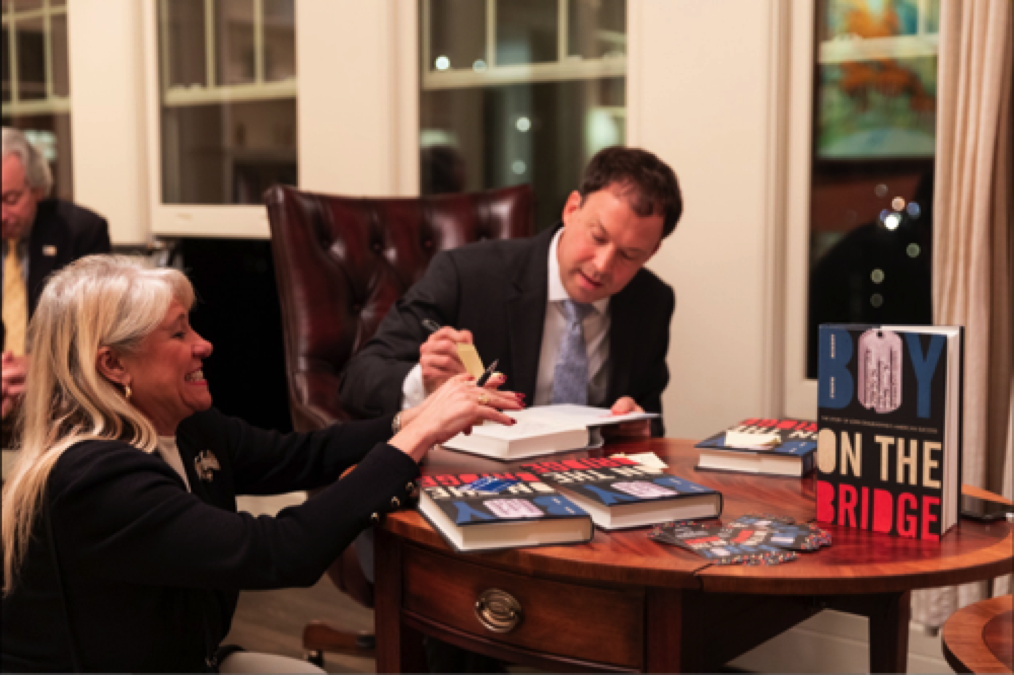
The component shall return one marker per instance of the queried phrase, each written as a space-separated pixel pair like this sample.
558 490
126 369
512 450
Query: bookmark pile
755 539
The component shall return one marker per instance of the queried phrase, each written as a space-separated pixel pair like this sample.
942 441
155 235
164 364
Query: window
227 72
519 91
36 82
873 146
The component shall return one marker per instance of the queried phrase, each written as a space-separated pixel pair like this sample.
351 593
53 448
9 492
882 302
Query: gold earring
127 392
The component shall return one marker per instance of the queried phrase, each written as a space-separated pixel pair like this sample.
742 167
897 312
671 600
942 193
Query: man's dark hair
650 183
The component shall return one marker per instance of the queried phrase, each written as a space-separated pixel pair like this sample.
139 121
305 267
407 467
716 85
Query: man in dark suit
573 304
40 235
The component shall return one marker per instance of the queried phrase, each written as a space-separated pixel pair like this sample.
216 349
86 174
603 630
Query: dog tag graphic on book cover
880 368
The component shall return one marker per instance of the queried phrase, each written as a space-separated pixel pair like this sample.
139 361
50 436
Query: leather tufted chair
340 263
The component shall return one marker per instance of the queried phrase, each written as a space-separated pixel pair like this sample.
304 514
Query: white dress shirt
596 337
168 450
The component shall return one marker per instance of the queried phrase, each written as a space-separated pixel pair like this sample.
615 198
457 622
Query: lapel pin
49 251
204 464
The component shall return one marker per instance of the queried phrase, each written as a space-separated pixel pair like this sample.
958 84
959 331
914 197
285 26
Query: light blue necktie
570 379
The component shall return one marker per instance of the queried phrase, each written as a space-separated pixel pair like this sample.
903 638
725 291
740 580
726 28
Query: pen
489 372
430 325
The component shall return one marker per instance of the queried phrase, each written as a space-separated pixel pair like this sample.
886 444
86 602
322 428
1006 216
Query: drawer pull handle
498 611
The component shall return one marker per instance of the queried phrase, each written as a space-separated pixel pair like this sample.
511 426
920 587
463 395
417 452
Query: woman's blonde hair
99 301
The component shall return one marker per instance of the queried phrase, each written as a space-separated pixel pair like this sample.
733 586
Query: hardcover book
889 419
783 447
541 430
621 493
484 512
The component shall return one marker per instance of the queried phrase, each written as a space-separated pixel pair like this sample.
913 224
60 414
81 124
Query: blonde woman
122 547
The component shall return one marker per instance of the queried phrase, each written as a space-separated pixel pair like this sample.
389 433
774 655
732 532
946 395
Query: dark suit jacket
152 572
72 231
498 290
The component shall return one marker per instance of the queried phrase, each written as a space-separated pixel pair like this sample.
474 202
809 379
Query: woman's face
166 379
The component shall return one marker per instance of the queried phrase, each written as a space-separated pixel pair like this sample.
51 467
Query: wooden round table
625 602
980 637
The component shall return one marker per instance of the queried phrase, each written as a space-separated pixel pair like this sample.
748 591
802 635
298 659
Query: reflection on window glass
31 59
36 82
183 50
526 32
457 37
497 124
596 28
279 40
234 41
60 67
6 63
228 117
872 178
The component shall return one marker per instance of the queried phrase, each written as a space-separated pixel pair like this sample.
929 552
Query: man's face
604 243
19 200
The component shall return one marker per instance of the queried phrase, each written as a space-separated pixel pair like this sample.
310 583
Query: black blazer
152 572
498 290
62 233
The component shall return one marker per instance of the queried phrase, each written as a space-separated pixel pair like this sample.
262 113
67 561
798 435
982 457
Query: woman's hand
450 410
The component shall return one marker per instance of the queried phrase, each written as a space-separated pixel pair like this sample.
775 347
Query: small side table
980 637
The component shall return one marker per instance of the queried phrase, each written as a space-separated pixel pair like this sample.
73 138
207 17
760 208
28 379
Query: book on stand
889 428
778 447
541 430
621 493
480 512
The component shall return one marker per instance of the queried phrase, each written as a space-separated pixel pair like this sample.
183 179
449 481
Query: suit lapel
526 311
40 266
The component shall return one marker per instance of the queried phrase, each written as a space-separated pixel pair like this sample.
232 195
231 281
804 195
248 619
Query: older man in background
40 235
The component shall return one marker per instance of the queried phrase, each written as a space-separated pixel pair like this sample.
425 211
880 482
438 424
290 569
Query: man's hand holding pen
438 357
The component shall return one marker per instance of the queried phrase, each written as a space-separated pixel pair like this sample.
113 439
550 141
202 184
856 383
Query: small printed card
754 539
748 441
470 359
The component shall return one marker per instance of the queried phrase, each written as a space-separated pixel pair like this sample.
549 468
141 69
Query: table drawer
582 622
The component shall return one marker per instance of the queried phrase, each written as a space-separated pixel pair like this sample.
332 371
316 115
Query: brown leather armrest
315 402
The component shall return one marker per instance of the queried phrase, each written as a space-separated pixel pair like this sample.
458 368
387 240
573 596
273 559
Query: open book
541 430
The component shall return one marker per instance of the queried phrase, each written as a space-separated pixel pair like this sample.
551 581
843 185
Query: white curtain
973 282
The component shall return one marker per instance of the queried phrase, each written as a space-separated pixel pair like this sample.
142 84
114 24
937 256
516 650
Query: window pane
31 47
227 154
186 50
526 32
457 34
26 5
596 28
279 40
234 42
542 134
871 221
222 144
5 57
58 43
51 135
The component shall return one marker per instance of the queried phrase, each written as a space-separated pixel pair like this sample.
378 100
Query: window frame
52 104
563 69
245 221
799 393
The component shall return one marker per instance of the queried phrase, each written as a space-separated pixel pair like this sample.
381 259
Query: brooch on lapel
204 464
49 251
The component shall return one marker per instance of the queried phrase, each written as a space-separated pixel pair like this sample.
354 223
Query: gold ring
483 399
